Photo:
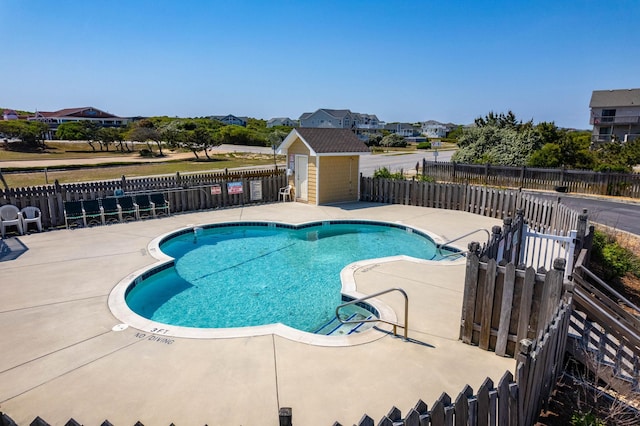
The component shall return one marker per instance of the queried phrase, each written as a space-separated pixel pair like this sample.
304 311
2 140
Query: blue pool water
239 275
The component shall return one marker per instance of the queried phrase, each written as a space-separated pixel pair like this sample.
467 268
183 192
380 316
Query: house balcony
617 119
628 137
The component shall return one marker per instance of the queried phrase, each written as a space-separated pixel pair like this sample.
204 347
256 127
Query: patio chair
10 216
144 206
31 214
160 204
93 212
128 209
73 211
111 210
285 193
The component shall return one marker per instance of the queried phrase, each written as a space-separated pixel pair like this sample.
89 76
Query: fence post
285 414
486 173
506 232
582 230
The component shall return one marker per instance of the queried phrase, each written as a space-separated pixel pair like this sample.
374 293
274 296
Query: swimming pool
248 274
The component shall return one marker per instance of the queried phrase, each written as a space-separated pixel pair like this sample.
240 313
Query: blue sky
409 61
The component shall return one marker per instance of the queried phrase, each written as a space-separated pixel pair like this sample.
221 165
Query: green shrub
425 178
586 419
615 260
424 145
384 173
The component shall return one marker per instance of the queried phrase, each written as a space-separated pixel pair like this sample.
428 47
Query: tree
501 120
110 135
200 139
146 135
393 140
31 133
493 144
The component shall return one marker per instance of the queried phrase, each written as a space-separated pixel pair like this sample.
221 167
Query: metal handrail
439 246
395 325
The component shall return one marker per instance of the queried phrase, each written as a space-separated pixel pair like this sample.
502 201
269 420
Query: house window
608 115
605 131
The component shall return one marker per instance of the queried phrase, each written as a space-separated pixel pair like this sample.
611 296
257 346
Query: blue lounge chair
145 208
73 213
160 204
128 209
111 210
92 212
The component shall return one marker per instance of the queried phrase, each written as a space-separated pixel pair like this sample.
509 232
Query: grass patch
116 170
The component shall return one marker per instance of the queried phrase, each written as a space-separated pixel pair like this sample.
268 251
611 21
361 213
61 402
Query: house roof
615 98
337 113
86 112
323 141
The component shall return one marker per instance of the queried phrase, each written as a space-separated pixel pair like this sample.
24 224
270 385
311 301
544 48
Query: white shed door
302 177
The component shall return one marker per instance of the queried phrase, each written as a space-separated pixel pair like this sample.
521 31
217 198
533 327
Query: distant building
615 114
9 114
434 129
339 119
402 129
231 120
282 121
68 115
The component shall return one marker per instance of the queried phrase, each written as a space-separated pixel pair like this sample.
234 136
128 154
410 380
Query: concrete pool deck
61 358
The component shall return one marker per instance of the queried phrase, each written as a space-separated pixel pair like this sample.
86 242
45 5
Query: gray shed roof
326 141
615 98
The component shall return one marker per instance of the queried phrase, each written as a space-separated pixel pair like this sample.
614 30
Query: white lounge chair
285 193
10 216
31 214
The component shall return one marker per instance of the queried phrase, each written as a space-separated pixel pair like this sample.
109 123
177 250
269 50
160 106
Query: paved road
618 214
395 161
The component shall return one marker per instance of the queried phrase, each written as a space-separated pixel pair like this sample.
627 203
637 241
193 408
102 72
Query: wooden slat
487 305
505 309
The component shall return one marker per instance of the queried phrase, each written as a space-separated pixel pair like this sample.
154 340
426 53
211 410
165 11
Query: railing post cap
525 346
559 264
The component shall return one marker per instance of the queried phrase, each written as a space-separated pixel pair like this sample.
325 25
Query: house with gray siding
339 119
615 115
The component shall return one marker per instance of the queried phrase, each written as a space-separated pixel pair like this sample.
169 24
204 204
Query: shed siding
338 179
313 180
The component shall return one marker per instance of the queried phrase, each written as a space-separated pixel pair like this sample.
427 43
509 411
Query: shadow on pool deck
11 249
62 359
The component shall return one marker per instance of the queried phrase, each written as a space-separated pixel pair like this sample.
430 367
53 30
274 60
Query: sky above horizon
406 61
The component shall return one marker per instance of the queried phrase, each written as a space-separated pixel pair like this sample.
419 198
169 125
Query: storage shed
323 164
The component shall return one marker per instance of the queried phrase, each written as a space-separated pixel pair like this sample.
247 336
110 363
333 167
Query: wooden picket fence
184 192
605 331
514 402
563 180
541 215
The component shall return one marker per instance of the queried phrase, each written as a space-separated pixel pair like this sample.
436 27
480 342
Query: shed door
302 177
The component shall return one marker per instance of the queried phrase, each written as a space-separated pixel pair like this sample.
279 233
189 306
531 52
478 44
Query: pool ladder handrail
395 325
440 245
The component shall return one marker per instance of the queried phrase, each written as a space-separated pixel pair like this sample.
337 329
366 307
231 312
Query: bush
384 173
424 145
146 153
425 178
615 260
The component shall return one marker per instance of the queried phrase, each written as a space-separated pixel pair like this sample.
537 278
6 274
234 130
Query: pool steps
335 327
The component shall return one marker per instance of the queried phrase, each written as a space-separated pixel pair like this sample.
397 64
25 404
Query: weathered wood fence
503 305
541 215
563 180
514 402
184 192
604 336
